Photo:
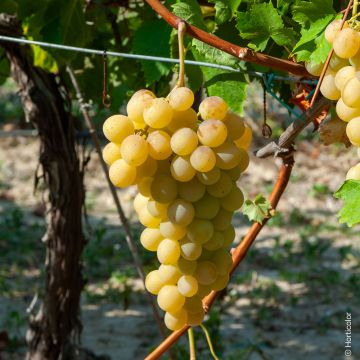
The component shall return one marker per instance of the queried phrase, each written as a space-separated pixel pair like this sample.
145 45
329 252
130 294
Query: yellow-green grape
190 250
184 141
117 127
159 145
328 87
351 92
181 119
213 107
332 30
216 242
346 43
210 177
353 173
150 239
181 98
206 254
212 133
229 236
345 112
169 299
313 68
207 207
181 168
227 156
205 272
336 63
157 209
171 230
175 321
147 219
137 103
170 274
158 113
168 251
163 189
195 319
181 212
200 231
235 125
203 159
121 173
186 267
343 75
192 190
245 141
233 200
353 131
188 285
222 261
234 173
355 60
140 201
222 187
111 153
134 150
146 169
220 282
153 282
139 126
144 186
204 290
222 220
244 160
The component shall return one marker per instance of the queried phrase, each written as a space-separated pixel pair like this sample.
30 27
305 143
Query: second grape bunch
186 168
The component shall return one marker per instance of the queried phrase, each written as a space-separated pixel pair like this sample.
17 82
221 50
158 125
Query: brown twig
242 53
238 254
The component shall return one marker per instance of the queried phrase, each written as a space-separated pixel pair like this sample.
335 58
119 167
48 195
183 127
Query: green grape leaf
190 11
44 59
225 9
257 210
322 50
194 77
8 6
349 192
150 33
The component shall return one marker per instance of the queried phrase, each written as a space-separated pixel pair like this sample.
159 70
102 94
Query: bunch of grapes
186 170
342 81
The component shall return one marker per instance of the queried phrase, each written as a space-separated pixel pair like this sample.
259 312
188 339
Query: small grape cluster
186 170
342 81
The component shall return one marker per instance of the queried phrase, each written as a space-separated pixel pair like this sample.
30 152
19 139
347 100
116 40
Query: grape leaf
257 210
190 11
349 192
224 9
322 50
44 59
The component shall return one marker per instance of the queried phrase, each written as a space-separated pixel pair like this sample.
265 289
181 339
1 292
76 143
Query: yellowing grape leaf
257 210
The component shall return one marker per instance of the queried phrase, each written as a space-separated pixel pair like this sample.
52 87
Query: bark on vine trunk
47 106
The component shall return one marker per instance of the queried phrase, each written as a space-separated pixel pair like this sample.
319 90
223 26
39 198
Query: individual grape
210 177
212 133
235 125
186 267
181 169
170 274
168 251
207 207
227 156
351 92
121 173
245 141
134 150
203 159
175 321
182 119
222 187
171 230
111 153
353 131
233 200
169 299
346 43
188 285
137 103
213 107
216 242
140 201
314 68
157 209
181 212
117 127
229 236
150 239
181 98
345 112
204 290
158 113
343 75
163 189
153 282
355 60
193 304
144 186
220 282
195 319
159 145
222 220
190 250
222 261
244 160
336 63
234 173
192 190
206 254
184 141
147 219
205 272
146 169
200 231
353 173
332 30
328 87
139 126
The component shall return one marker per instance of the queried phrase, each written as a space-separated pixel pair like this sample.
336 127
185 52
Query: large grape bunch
185 168
342 81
